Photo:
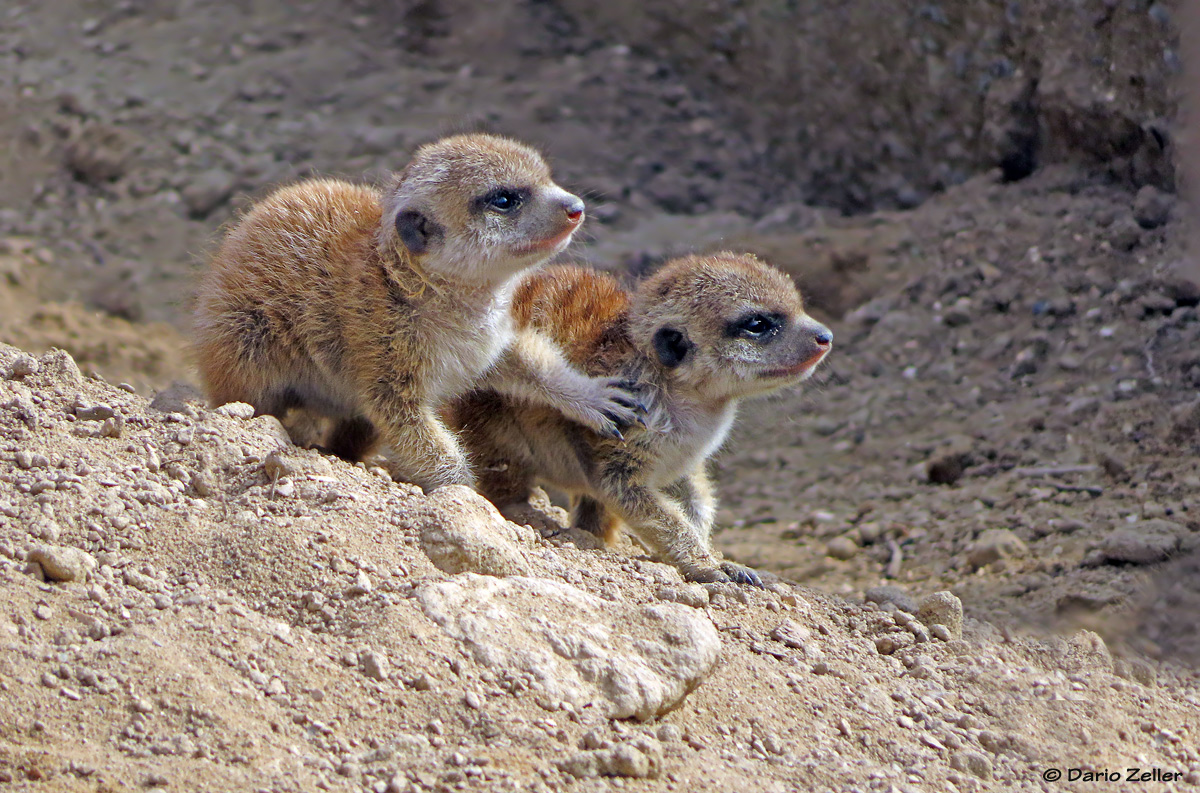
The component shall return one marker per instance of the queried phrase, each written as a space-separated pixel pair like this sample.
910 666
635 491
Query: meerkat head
479 207
727 325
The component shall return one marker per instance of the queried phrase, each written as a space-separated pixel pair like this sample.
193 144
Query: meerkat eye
756 326
503 200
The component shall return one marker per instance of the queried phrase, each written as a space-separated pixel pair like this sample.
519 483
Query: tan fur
682 339
371 308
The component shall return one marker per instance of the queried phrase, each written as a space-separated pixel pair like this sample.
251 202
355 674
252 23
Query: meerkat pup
696 337
370 308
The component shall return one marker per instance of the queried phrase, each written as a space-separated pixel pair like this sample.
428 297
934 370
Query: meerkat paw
612 405
740 574
429 481
722 573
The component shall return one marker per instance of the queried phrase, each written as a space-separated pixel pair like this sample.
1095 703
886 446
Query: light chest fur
696 432
472 332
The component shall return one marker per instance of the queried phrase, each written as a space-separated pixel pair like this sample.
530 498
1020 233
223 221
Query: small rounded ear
671 346
417 231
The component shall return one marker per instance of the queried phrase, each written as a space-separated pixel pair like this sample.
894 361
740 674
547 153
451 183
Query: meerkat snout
813 343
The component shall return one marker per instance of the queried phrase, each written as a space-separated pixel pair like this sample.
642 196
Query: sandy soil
1010 414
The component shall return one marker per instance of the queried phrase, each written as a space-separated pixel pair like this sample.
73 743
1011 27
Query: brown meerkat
696 337
371 308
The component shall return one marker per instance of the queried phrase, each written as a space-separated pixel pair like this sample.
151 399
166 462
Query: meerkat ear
671 346
417 231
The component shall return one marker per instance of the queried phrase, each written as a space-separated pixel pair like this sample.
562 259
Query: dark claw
742 575
614 433
637 405
623 424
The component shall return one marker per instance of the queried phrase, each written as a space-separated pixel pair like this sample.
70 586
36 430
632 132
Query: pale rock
842 548
640 758
236 410
23 366
462 532
890 593
693 595
973 763
60 365
374 665
992 546
1144 542
943 608
63 563
624 659
273 428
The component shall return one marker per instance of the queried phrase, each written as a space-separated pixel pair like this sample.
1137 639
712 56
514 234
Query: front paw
451 472
614 405
722 573
739 574
705 575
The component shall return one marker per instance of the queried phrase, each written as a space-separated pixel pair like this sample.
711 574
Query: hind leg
352 439
591 516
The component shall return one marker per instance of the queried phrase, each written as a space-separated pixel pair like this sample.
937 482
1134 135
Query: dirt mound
194 603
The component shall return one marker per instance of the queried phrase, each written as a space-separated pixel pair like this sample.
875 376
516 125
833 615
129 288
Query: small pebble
237 410
945 611
361 586
842 548
1152 207
23 366
993 546
374 665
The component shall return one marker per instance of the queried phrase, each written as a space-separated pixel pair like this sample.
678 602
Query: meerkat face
728 326
480 207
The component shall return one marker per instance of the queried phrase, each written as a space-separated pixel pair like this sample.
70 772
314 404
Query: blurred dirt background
979 198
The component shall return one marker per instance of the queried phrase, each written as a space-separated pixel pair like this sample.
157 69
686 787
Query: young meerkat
371 308
697 337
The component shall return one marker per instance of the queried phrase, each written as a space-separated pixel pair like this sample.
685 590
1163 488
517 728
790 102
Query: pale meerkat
696 337
372 308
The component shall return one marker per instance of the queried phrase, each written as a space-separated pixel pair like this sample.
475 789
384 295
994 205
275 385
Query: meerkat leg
352 439
695 495
306 428
532 369
657 521
420 448
592 516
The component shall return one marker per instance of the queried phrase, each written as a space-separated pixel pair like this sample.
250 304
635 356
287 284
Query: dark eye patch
503 199
757 326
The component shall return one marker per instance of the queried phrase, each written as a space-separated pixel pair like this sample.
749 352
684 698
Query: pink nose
574 209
